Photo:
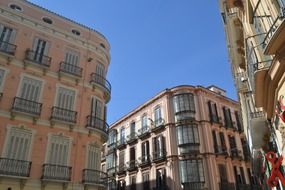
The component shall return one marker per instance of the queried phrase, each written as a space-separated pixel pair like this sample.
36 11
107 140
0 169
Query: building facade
255 39
53 100
187 137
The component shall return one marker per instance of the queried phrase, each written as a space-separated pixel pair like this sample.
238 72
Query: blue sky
155 44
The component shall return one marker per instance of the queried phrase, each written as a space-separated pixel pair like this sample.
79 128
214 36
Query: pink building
186 137
53 99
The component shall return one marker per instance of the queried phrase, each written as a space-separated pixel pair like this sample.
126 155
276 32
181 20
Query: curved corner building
186 137
53 100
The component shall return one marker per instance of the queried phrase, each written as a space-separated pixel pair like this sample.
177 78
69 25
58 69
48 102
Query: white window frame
6 72
73 52
102 109
9 128
87 156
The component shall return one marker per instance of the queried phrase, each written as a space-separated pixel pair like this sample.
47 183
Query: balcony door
157 115
58 150
30 89
72 61
122 135
158 145
65 98
7 35
94 161
133 130
160 178
96 108
40 49
100 74
145 151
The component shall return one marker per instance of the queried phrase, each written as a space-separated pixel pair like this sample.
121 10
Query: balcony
236 154
122 169
70 69
221 151
132 165
26 106
159 156
63 115
111 171
185 115
132 138
144 161
227 186
189 148
158 125
121 143
243 186
52 172
97 124
111 147
15 168
241 82
94 177
38 59
143 132
7 48
101 81
193 185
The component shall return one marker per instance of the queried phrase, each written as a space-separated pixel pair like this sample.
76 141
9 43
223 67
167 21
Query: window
223 173
30 89
96 108
133 183
158 147
144 121
65 98
121 160
132 154
133 130
160 178
233 147
102 45
2 76
18 143
145 177
213 112
121 185
111 161
15 7
47 20
75 32
238 120
145 151
187 138
227 117
184 106
72 57
58 150
40 50
93 157
100 70
122 135
157 116
112 137
7 37
191 171
223 142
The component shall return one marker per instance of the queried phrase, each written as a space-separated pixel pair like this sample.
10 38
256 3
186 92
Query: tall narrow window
100 70
7 37
223 142
93 157
215 142
132 154
112 138
40 50
144 121
97 108
111 161
121 160
65 98
58 150
145 151
223 173
72 57
2 75
161 178
158 147
238 120
30 89
133 182
133 130
145 181
242 175
233 146
213 112
157 116
228 117
122 135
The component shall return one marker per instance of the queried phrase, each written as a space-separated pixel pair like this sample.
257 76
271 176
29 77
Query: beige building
53 98
255 35
186 137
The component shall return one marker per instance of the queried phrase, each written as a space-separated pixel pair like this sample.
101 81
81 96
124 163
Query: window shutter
214 138
147 148
2 73
65 98
13 36
100 70
58 150
143 149
242 175
35 43
30 89
45 48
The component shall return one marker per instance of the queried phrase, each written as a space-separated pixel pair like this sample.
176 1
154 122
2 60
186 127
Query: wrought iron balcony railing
55 172
15 168
94 177
131 165
131 138
64 115
258 114
101 81
70 69
144 160
221 150
94 122
26 106
7 48
158 124
144 131
121 169
121 143
193 185
38 58
159 155
262 65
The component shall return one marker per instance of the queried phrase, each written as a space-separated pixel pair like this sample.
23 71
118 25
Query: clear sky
155 44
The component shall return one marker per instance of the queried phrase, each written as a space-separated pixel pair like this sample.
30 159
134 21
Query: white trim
57 86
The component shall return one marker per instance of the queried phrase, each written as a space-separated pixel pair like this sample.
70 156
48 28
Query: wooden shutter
223 173
65 98
58 150
97 108
132 153
100 70
121 159
72 57
30 89
214 139
93 157
242 175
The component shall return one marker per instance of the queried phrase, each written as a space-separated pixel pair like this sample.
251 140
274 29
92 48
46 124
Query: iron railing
94 122
261 65
70 69
38 58
221 150
26 106
144 160
131 165
102 81
193 185
131 137
257 114
159 155
56 172
143 131
95 177
121 169
13 167
62 114
7 48
227 186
